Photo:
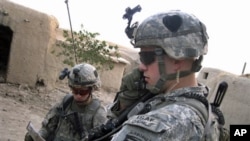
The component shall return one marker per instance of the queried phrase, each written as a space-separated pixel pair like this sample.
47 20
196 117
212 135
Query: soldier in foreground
77 113
172 45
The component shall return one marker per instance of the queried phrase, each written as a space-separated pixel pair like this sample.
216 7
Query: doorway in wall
5 43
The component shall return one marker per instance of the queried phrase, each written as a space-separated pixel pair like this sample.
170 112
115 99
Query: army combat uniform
129 93
166 121
62 125
77 113
174 113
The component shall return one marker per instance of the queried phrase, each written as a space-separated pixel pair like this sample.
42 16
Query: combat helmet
84 75
181 35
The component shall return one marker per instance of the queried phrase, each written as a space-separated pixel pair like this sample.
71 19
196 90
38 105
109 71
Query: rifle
77 123
115 124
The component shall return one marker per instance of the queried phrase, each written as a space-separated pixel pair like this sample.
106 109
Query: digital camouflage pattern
180 114
131 88
128 81
128 94
84 75
63 126
181 35
69 121
167 120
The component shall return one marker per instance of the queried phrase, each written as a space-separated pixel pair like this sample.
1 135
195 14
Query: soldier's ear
177 64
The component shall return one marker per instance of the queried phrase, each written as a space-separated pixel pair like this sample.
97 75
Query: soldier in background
77 113
172 45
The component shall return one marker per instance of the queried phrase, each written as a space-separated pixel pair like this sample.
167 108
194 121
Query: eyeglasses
80 91
147 57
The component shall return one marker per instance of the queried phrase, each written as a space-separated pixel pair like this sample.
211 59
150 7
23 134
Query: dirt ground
20 104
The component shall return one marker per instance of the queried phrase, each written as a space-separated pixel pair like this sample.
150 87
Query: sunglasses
147 57
80 91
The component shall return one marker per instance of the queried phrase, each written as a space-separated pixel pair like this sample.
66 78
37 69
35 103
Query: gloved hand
28 137
102 130
130 81
131 87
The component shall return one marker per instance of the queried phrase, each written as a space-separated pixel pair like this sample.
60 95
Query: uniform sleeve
100 116
172 123
50 122
128 81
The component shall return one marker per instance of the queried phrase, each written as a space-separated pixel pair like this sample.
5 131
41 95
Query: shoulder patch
147 122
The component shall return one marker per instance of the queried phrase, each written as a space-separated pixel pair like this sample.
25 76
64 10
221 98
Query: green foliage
86 48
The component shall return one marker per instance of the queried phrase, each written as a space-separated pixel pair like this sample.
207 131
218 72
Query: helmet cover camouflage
181 35
84 75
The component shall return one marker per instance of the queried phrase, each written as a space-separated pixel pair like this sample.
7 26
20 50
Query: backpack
210 114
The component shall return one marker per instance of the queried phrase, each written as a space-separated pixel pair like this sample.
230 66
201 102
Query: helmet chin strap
163 76
158 87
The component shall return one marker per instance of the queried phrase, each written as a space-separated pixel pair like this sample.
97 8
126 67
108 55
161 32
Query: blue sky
227 23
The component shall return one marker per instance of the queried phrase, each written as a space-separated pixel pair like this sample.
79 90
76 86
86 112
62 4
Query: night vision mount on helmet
129 15
177 34
81 75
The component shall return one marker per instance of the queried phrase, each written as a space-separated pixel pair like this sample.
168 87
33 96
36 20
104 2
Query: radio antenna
72 35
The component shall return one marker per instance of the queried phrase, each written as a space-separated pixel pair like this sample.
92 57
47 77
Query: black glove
99 131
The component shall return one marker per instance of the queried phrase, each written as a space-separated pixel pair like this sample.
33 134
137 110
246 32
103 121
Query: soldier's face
81 95
149 65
